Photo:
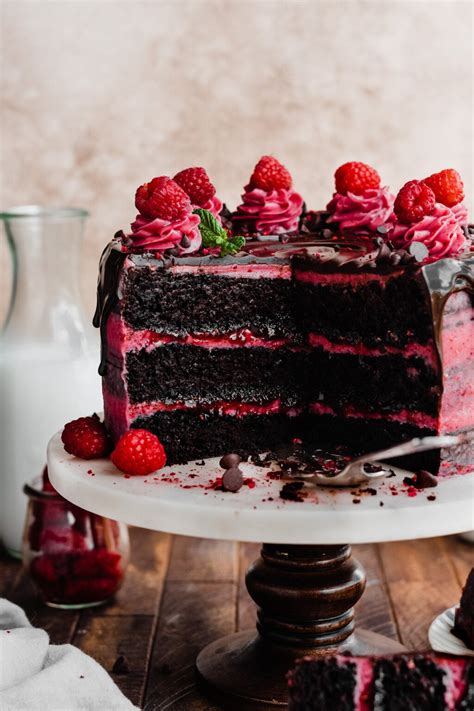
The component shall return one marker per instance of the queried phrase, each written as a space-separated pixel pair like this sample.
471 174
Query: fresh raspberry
43 570
414 201
270 174
163 198
447 186
355 178
95 563
86 438
138 452
62 539
195 182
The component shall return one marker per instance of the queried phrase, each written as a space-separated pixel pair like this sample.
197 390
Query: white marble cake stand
305 583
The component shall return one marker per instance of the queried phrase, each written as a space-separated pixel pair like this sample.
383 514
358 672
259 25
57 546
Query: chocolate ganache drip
110 267
443 279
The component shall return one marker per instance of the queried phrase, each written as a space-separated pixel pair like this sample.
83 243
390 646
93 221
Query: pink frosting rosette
362 213
213 205
273 212
440 232
460 213
158 234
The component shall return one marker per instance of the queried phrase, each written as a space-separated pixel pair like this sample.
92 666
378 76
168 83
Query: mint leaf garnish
214 235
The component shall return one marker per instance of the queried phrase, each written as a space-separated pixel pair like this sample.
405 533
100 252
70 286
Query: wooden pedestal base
305 596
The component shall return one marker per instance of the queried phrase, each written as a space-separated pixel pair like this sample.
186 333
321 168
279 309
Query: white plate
178 499
441 638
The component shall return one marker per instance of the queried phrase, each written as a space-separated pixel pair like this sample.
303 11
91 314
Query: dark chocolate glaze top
308 250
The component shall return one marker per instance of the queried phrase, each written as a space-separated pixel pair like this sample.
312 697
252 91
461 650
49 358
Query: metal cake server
355 472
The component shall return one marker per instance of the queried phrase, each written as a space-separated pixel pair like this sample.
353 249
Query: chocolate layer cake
319 340
216 342
419 682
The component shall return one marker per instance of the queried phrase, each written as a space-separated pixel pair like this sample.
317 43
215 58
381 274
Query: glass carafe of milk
48 351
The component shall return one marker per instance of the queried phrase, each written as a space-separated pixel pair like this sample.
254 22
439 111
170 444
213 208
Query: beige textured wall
99 96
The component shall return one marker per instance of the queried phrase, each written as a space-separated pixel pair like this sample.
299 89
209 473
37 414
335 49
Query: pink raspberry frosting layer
158 234
362 213
440 232
273 211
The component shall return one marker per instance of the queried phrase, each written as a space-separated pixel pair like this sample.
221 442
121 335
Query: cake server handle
413 446
354 472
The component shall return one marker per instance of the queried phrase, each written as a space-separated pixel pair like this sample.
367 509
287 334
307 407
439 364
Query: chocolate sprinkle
425 479
292 491
232 480
372 468
421 480
230 460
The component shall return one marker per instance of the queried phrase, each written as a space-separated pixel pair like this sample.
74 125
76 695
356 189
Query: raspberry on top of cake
240 334
269 205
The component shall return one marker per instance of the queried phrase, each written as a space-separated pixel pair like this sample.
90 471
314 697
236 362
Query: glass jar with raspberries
76 559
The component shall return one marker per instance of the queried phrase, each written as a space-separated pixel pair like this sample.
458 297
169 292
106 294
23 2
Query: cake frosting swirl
440 232
271 212
158 234
362 213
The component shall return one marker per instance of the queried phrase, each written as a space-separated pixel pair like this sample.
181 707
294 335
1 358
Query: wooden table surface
181 593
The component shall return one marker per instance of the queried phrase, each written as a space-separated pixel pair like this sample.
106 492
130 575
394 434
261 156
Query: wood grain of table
181 593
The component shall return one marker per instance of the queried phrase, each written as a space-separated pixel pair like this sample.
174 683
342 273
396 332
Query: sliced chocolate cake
219 343
464 615
415 682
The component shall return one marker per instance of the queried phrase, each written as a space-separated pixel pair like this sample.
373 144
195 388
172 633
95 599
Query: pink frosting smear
440 232
274 211
158 234
362 213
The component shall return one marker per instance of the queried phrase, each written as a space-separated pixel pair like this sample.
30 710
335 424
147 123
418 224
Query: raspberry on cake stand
305 582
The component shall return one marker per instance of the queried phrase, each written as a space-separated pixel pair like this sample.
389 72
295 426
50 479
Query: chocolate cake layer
382 384
179 303
418 680
392 310
255 374
178 372
408 682
193 434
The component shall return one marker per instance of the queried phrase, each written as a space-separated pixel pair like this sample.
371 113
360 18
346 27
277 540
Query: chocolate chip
425 480
230 460
372 468
120 666
418 250
232 479
185 242
292 491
